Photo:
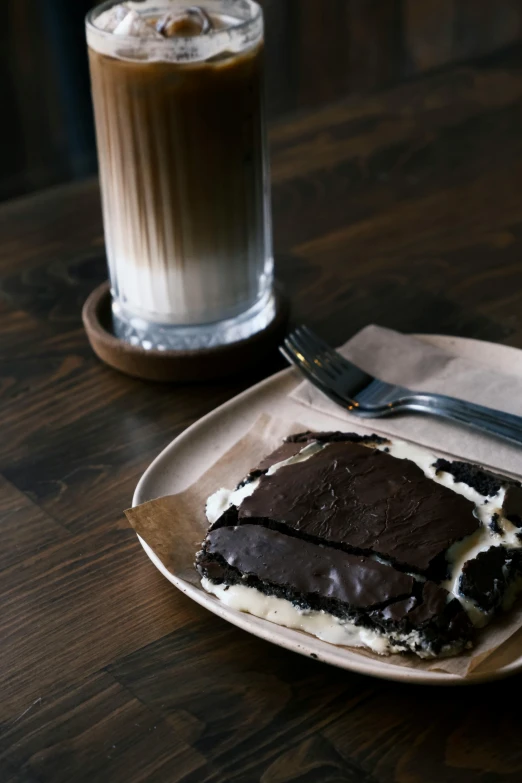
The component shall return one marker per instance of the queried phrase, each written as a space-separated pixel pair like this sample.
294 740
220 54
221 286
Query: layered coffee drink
178 99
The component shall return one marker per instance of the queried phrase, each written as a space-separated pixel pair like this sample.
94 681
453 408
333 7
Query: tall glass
183 169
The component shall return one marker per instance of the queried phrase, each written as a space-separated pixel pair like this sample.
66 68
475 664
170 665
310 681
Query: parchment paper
174 526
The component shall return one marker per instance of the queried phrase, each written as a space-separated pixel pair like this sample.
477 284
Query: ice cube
192 21
109 20
135 25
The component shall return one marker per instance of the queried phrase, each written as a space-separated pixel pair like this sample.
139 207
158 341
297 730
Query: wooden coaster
176 366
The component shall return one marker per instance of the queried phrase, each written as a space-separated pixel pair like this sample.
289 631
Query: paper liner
174 527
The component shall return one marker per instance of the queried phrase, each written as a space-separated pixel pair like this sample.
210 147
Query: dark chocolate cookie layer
487 484
336 437
362 499
484 483
486 578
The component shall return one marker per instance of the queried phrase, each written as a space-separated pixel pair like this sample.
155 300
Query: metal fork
368 397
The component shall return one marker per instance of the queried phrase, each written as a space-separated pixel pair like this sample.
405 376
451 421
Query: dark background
319 50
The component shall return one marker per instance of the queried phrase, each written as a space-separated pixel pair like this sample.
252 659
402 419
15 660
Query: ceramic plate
198 448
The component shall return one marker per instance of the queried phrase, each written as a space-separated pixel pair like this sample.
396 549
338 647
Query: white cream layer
321 624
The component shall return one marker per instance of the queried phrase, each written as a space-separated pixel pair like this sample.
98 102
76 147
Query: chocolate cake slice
353 591
363 540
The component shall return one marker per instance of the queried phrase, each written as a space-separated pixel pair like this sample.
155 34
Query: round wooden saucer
176 366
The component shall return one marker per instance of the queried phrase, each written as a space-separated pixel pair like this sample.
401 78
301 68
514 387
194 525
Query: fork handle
494 422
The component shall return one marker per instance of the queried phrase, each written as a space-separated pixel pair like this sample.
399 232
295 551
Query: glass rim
167 43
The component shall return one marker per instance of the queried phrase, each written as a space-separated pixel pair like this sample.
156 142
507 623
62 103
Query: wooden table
405 209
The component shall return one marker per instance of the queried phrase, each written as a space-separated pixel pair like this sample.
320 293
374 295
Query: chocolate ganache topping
306 568
362 499
285 451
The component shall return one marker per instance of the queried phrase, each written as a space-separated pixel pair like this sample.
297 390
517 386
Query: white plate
197 449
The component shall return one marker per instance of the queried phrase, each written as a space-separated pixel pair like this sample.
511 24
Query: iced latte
177 93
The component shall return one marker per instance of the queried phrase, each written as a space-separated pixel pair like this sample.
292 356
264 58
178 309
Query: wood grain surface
403 208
